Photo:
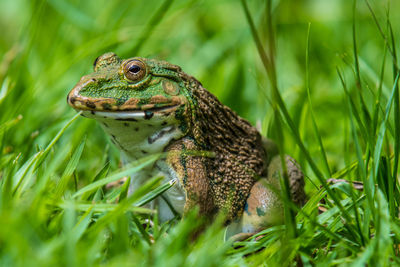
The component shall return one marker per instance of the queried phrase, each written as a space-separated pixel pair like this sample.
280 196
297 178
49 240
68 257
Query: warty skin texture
221 162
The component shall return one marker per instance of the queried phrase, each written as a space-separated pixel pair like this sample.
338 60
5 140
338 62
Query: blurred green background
46 46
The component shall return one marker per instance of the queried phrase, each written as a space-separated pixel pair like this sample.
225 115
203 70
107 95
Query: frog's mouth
156 102
131 108
131 115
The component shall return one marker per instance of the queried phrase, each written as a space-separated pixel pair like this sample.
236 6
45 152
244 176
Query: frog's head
132 89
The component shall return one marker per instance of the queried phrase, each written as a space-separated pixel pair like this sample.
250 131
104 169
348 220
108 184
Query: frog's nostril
86 82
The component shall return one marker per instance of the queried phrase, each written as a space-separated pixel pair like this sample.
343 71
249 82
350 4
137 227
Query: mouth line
157 109
86 107
131 114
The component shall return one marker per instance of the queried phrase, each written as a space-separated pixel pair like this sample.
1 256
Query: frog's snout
74 99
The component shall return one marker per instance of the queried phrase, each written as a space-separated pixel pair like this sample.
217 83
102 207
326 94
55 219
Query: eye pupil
134 69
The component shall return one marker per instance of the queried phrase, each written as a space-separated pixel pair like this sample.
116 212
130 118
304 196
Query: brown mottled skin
240 155
234 176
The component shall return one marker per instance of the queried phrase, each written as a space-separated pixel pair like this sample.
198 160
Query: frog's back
239 158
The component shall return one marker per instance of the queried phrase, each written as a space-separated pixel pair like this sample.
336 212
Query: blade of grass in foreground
155 193
314 123
392 50
382 129
271 74
279 102
353 108
352 111
55 139
366 115
104 207
269 61
378 251
125 205
396 109
385 39
38 158
134 167
154 21
63 182
375 116
100 175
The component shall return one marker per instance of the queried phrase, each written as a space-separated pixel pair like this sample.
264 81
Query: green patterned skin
220 162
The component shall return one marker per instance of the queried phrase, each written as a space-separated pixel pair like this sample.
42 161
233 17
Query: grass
320 77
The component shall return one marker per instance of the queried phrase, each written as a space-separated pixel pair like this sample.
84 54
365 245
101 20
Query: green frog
151 106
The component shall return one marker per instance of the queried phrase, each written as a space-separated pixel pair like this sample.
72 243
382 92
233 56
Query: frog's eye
134 70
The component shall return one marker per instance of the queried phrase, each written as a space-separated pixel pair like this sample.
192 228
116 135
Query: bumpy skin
239 157
216 155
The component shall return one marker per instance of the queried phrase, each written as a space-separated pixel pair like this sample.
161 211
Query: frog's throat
138 134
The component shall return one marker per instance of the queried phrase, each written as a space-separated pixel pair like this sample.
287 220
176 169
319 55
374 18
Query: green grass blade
151 25
375 116
396 106
367 117
138 165
55 139
279 102
384 37
83 223
124 205
271 72
71 166
38 158
104 207
22 172
314 123
100 175
382 128
139 226
125 189
353 108
278 99
155 193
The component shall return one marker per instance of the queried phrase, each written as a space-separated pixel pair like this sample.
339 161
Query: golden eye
134 70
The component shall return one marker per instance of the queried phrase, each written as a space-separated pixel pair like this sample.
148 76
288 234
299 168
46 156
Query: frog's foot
263 209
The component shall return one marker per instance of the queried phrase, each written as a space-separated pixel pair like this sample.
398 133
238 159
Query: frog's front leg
264 206
190 170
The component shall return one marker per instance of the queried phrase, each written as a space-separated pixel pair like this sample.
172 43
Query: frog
219 162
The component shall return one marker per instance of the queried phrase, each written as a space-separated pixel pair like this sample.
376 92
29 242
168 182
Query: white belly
175 195
137 136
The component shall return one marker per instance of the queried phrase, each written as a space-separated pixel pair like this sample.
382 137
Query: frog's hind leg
264 206
262 209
